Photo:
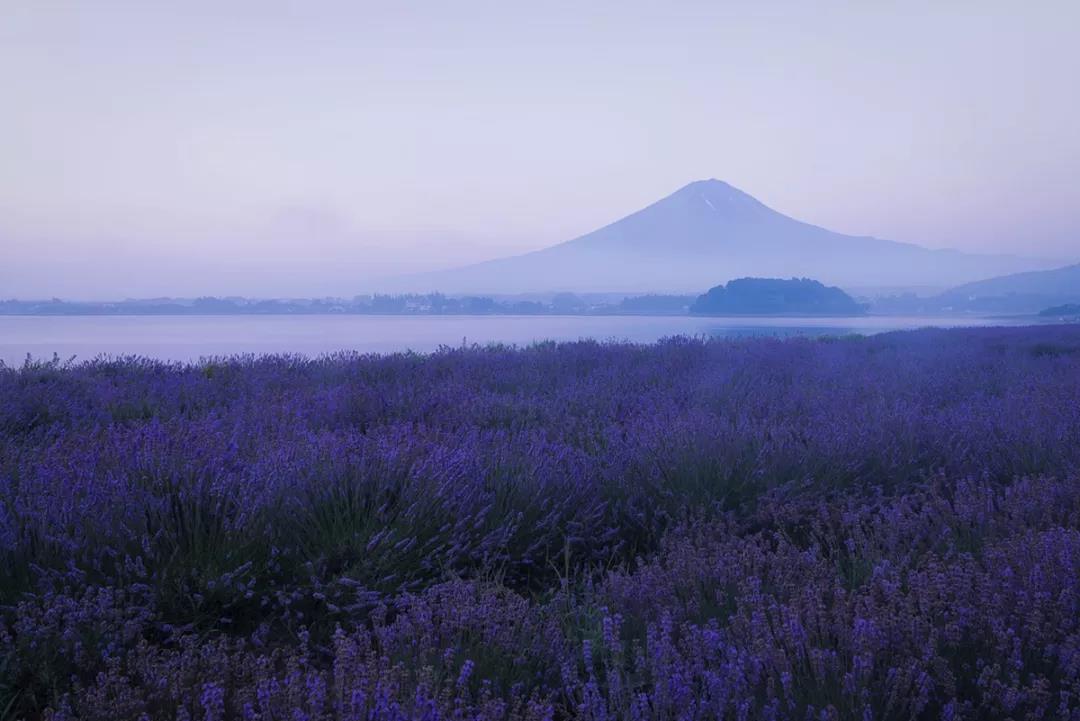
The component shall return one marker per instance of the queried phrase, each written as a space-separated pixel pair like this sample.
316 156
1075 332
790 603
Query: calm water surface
188 338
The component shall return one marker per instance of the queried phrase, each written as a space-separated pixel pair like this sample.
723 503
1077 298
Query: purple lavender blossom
864 528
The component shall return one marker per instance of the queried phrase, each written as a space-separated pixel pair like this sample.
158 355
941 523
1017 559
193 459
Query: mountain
1059 282
709 232
1069 310
1018 293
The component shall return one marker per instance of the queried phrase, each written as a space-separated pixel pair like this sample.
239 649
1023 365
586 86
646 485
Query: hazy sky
274 148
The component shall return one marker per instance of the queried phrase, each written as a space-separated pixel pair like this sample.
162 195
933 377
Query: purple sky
273 148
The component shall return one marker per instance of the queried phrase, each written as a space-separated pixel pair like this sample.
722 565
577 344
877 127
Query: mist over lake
188 338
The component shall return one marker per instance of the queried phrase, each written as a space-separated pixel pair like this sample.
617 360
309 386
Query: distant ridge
1058 282
1013 294
1018 293
709 232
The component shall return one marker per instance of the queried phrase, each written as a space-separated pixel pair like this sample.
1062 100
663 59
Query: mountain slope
709 232
1059 282
1017 293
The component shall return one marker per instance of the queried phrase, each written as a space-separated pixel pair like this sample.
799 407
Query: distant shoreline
188 338
593 314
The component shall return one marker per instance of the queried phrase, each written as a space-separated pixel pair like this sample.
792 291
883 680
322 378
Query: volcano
709 232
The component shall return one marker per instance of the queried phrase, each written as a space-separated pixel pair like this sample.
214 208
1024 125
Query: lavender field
866 528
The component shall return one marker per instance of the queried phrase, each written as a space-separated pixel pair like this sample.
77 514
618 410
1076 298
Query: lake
188 338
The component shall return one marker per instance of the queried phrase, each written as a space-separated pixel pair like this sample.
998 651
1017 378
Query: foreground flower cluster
858 528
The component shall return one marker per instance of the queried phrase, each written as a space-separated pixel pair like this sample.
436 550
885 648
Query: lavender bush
857 528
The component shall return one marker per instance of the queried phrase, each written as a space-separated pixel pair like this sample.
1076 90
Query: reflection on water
188 338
